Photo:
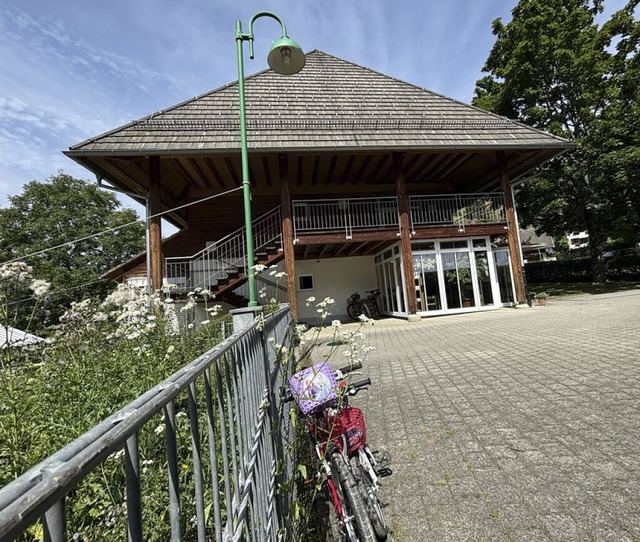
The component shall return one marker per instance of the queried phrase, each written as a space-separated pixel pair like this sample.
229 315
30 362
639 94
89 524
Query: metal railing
239 431
224 258
267 289
344 215
459 209
349 215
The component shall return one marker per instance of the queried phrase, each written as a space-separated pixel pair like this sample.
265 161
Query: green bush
100 358
579 270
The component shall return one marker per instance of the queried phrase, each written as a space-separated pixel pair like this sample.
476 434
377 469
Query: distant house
536 248
11 337
358 181
578 239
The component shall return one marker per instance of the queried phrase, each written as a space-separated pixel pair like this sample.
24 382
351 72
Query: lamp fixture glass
286 56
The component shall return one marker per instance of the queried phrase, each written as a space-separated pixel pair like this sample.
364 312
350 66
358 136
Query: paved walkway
518 425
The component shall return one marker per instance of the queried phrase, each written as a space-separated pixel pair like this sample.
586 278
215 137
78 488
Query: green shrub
100 358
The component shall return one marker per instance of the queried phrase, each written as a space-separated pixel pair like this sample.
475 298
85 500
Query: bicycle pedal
383 472
382 458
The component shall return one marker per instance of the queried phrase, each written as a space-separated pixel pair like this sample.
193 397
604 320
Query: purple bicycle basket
314 388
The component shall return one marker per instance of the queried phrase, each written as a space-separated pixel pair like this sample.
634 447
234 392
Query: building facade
358 181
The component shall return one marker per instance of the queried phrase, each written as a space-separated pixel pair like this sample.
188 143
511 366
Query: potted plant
540 298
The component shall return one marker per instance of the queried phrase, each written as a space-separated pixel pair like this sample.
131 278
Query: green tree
61 212
555 68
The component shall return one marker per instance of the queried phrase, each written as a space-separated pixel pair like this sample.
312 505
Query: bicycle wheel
373 505
354 506
354 310
341 507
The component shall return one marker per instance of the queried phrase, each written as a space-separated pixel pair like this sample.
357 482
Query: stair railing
225 258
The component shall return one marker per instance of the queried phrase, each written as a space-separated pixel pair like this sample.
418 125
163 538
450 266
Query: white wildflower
40 287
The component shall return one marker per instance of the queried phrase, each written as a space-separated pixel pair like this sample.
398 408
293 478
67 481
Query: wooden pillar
287 235
405 233
155 230
512 227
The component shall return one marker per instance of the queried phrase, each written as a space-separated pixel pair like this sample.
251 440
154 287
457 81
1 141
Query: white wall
337 278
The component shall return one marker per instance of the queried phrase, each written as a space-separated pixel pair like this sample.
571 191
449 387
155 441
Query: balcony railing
457 210
356 214
344 215
240 433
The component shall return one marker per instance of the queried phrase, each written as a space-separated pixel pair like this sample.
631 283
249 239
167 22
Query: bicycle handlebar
348 368
352 389
355 387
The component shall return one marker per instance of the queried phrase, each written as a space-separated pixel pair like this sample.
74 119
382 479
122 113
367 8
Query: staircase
221 267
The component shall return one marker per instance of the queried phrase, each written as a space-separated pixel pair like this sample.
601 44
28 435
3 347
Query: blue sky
72 69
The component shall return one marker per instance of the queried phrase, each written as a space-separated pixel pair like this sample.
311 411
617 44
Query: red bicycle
350 468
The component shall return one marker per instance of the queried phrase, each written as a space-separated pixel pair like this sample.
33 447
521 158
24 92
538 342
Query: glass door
389 274
425 275
483 273
458 282
503 270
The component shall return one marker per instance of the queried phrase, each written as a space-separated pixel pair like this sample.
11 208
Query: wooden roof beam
359 176
203 177
214 172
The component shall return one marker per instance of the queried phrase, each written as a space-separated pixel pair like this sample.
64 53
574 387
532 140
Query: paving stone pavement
517 425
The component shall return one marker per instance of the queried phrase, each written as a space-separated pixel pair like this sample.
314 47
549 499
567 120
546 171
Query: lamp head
286 56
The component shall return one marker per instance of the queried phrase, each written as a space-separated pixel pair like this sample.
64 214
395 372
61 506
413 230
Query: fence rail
238 430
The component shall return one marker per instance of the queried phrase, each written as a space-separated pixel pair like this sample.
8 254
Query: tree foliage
555 68
62 212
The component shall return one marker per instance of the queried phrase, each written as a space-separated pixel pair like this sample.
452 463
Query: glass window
453 244
424 245
305 282
479 243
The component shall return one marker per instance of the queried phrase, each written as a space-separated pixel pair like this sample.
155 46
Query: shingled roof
331 104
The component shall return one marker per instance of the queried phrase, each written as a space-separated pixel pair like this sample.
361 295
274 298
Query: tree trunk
596 242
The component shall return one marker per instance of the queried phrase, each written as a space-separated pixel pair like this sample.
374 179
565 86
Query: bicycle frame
339 434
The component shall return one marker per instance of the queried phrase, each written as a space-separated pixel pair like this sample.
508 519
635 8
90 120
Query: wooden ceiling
187 177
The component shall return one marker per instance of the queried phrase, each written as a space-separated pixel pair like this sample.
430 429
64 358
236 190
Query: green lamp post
285 57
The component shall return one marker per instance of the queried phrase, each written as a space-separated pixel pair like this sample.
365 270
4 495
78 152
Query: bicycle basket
350 423
314 388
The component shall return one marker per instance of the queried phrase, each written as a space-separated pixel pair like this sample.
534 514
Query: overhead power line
116 228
